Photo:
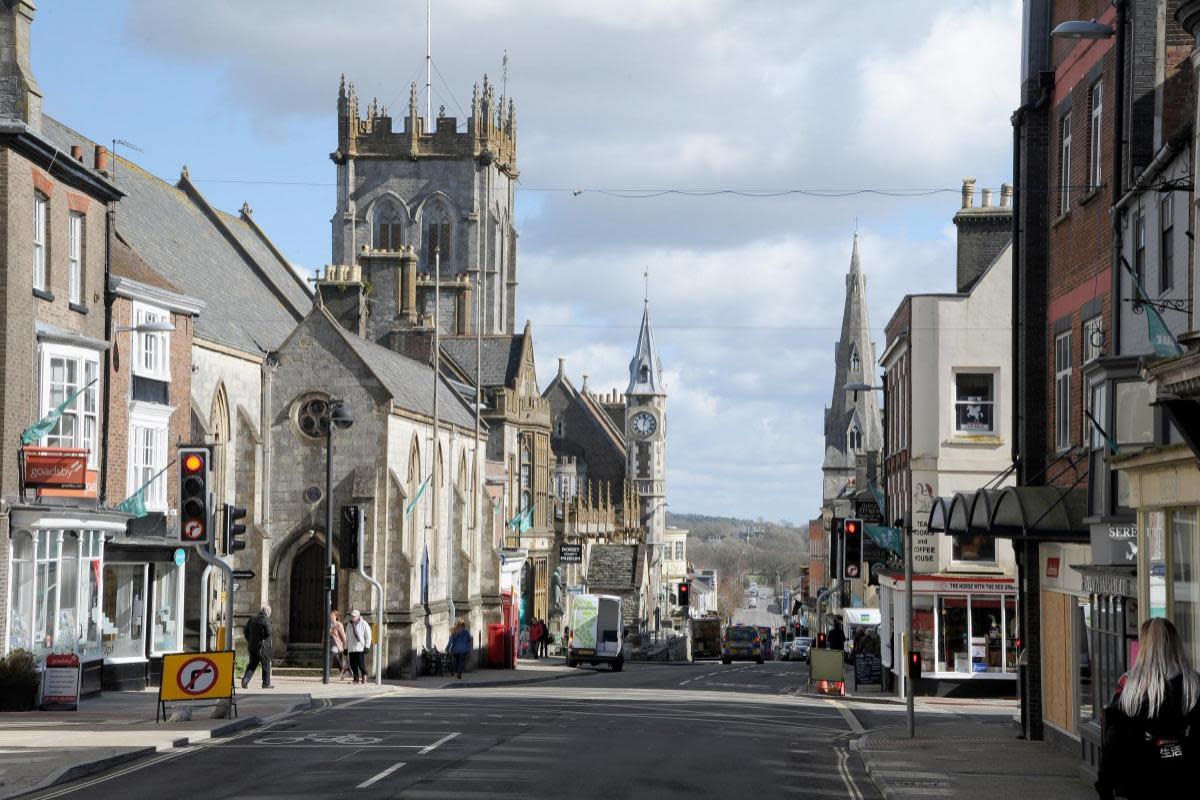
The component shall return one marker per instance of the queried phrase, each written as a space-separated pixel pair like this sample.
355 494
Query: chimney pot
987 199
1006 195
101 163
77 152
968 192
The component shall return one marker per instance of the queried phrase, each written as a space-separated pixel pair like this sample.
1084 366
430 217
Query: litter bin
497 644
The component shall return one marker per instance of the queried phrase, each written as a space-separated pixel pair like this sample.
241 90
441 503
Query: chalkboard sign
868 668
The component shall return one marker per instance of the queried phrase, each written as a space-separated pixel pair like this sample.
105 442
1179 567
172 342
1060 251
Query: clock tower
646 432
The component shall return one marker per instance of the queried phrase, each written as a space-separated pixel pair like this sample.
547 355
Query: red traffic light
852 527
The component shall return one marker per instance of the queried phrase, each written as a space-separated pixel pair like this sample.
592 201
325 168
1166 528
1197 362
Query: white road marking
380 776
438 743
848 715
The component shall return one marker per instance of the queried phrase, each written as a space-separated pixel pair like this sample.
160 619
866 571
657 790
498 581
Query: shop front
57 585
966 629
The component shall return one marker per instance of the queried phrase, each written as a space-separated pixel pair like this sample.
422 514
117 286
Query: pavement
965 749
39 749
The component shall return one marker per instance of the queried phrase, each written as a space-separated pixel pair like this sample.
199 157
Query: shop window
167 633
1185 591
1012 634
923 634
55 591
1156 562
151 348
64 371
974 402
987 634
123 633
1085 696
954 655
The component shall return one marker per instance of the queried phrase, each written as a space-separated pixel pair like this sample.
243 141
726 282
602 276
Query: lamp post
338 416
905 525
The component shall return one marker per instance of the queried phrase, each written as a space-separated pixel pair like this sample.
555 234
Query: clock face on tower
644 424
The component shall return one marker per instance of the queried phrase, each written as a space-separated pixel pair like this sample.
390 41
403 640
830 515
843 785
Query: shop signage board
1114 544
868 668
196 676
60 683
570 554
54 468
924 543
1052 567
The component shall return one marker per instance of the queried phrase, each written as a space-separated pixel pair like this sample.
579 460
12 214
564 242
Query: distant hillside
736 547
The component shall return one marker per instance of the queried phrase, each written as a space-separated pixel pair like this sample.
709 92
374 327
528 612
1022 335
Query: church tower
410 188
646 431
852 426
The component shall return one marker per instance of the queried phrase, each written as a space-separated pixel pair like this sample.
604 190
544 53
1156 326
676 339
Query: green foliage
18 669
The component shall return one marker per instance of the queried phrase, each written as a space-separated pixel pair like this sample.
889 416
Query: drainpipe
1118 172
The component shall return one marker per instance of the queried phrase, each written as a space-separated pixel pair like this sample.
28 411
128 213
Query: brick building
56 497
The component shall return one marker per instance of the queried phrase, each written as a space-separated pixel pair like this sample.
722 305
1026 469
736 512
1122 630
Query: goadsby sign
54 468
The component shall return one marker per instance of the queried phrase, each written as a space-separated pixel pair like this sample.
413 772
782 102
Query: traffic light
348 541
232 529
914 665
685 595
852 530
195 476
821 640
835 544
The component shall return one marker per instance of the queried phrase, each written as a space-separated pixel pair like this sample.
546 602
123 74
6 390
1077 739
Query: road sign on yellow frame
196 676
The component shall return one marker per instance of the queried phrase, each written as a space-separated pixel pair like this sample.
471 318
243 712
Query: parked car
784 651
741 643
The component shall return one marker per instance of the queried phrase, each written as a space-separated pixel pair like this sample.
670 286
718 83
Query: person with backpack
258 642
358 641
459 646
1151 729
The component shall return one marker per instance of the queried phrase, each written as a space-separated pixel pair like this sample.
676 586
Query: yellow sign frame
184 678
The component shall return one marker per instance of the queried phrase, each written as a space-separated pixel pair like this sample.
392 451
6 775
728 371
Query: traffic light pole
328 549
206 552
362 571
910 693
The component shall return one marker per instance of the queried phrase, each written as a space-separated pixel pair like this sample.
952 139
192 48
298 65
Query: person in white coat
358 641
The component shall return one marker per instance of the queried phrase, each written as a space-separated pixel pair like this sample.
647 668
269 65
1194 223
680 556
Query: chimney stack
20 97
983 232
101 159
77 152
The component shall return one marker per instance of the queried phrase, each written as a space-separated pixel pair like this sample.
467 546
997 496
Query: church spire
645 369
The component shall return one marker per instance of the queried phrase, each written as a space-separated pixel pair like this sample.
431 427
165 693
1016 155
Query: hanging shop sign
570 554
54 468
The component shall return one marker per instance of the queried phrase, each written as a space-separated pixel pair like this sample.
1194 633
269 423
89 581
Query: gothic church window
853 438
855 364
437 238
389 226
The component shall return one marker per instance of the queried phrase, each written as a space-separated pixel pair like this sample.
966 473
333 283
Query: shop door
307 596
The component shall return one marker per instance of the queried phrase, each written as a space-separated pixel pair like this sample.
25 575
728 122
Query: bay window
65 370
148 435
151 348
55 600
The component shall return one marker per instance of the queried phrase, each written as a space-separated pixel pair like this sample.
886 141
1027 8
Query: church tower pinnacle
853 423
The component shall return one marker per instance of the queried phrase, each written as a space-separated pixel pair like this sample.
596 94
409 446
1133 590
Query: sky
746 292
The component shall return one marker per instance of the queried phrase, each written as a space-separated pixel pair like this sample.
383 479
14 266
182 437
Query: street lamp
338 416
152 326
1080 29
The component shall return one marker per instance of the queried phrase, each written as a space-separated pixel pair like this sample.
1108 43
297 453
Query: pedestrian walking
535 637
337 644
358 641
459 646
258 642
1151 728
836 640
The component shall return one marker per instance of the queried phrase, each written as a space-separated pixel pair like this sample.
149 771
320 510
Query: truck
595 631
706 637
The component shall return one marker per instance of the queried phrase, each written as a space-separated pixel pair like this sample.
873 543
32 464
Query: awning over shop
68 519
1035 513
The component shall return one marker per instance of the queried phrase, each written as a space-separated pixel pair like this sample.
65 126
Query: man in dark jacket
837 637
258 640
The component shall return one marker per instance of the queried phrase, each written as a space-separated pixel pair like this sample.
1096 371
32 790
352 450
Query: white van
595 631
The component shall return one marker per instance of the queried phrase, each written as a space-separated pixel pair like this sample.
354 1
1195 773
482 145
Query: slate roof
128 264
254 298
612 566
409 382
500 356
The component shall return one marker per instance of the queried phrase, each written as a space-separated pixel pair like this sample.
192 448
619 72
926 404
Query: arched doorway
307 606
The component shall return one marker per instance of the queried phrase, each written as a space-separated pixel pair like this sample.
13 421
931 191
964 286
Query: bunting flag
523 521
135 504
39 429
417 498
1108 440
1163 342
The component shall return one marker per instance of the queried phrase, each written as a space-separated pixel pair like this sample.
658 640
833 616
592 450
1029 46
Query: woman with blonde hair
1151 729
